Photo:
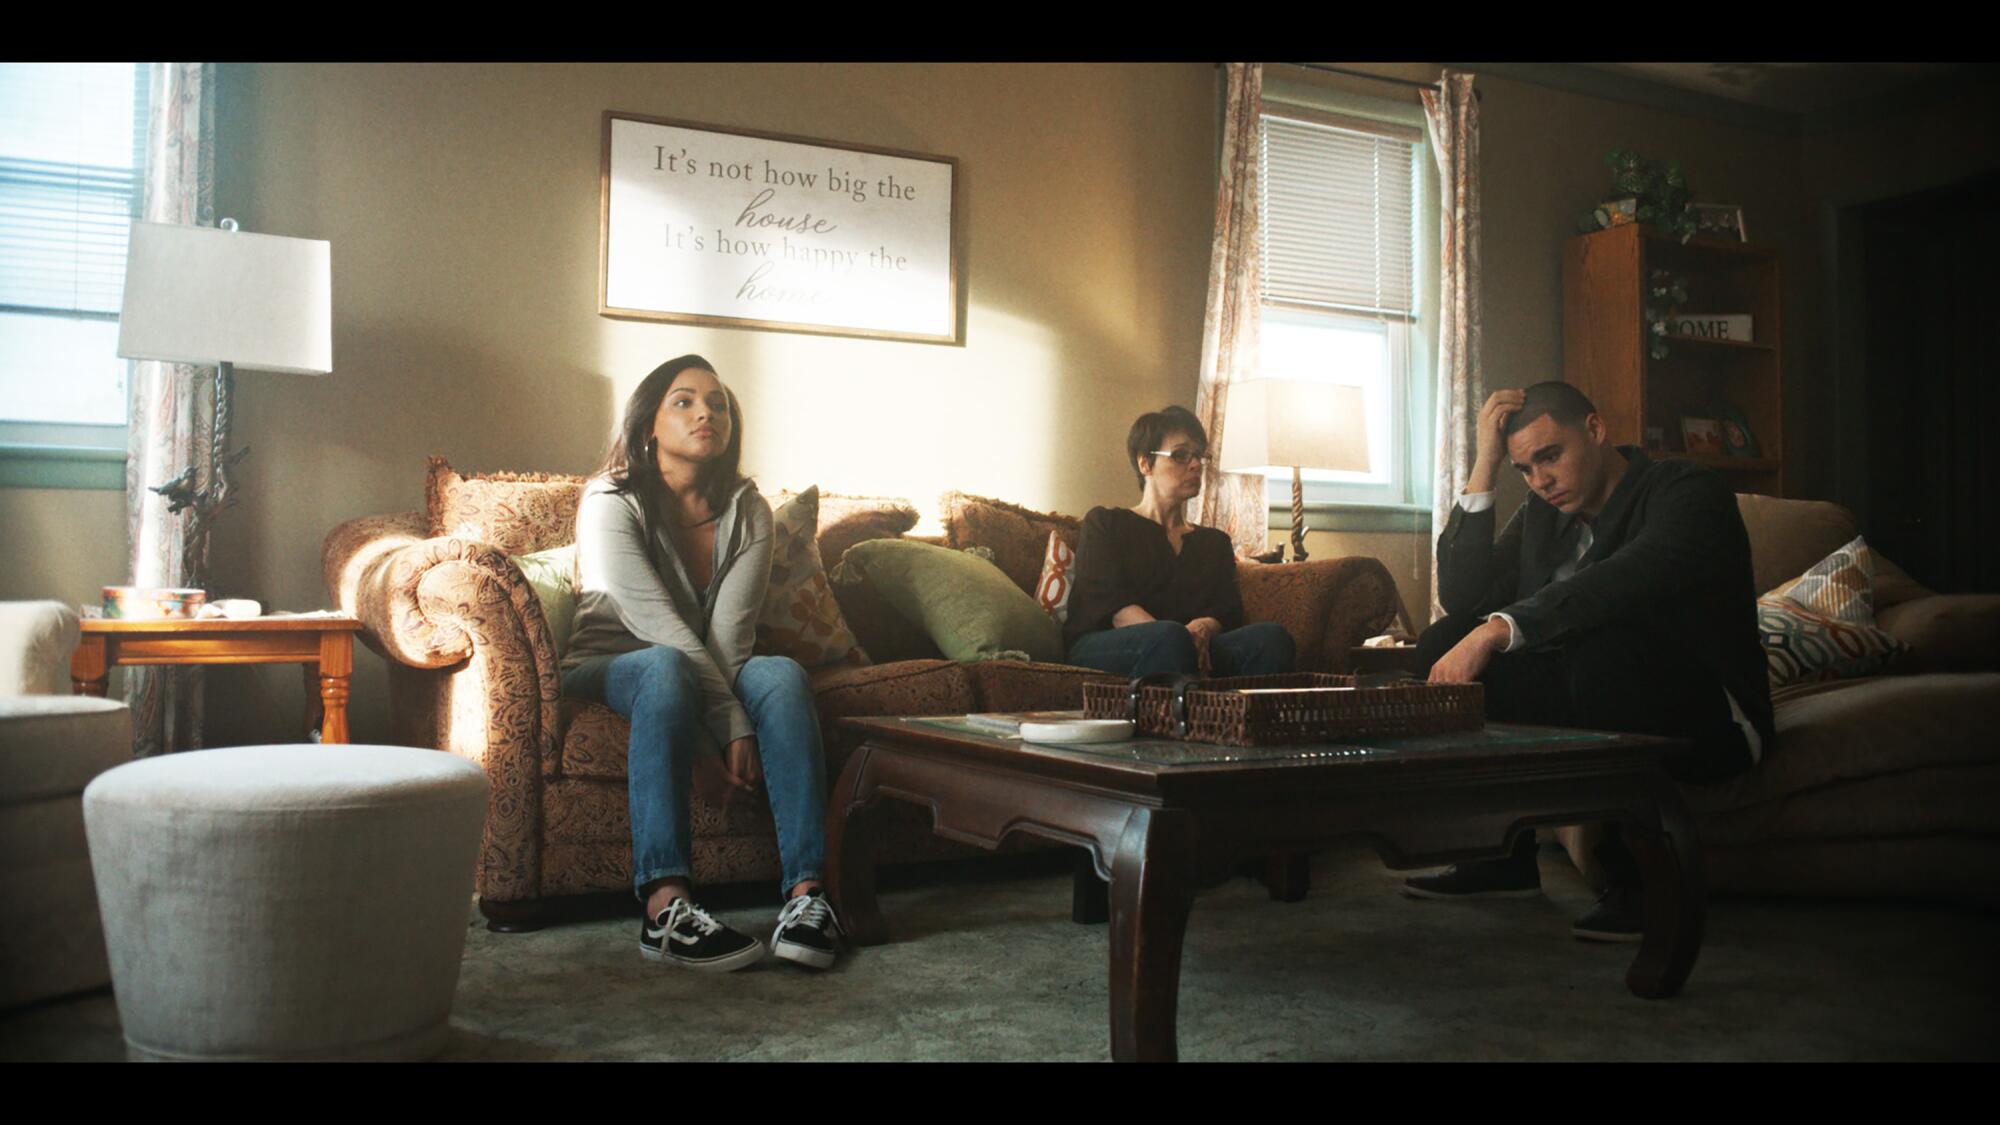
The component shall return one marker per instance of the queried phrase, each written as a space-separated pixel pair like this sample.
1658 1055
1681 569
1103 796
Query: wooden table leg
1152 890
852 832
89 671
336 667
1288 875
1089 896
1676 898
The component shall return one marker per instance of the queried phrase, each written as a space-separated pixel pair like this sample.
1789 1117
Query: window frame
1403 502
74 455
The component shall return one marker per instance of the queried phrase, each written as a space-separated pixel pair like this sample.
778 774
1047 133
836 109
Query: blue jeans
656 690
1262 649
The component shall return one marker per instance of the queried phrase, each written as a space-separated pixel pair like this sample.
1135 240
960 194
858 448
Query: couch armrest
1328 605
416 596
36 639
1945 632
461 619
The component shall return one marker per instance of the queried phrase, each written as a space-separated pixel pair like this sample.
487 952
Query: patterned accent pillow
801 619
520 513
1840 586
1821 625
1053 589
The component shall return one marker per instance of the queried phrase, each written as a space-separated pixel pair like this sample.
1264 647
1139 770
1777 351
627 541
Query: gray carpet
987 966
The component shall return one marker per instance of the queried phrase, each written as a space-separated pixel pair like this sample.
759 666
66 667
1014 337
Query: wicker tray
1246 711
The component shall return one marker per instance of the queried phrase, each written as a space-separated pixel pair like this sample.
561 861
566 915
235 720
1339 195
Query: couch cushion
847 520
1015 685
1851 729
1018 536
1959 800
801 619
53 745
36 639
1946 632
517 512
970 609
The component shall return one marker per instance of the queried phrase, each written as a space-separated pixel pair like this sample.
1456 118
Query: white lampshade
204 295
1275 425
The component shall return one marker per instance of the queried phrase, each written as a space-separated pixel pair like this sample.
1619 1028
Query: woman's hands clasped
737 774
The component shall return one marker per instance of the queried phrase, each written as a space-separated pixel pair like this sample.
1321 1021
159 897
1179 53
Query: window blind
70 146
1336 216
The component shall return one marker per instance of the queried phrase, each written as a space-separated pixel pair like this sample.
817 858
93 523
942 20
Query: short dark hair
1558 400
1151 429
632 464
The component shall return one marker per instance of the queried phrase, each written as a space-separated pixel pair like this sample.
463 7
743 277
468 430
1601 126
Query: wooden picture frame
738 228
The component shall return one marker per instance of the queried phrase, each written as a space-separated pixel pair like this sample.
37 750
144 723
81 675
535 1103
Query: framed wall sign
729 227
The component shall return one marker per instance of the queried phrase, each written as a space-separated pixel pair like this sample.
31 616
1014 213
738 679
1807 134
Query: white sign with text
705 225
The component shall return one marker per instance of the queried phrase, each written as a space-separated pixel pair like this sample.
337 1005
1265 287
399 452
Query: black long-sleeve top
1123 558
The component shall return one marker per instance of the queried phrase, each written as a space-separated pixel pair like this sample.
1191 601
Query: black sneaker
1618 916
1479 878
807 931
685 934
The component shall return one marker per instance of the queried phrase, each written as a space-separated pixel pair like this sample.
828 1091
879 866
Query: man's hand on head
1490 448
1468 658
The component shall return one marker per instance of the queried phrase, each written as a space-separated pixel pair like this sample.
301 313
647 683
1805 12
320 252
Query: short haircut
1151 429
1560 401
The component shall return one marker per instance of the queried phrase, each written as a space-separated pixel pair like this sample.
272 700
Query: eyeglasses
1182 457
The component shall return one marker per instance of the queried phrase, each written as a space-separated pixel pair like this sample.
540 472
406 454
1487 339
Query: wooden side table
323 642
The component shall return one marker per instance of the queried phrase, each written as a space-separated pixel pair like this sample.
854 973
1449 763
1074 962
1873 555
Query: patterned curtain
1454 125
171 407
1233 502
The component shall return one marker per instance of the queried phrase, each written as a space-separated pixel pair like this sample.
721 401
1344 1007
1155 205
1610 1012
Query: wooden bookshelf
1606 353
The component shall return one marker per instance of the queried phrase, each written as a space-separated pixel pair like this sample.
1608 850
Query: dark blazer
1669 555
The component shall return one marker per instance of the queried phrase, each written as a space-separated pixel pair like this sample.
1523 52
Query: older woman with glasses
1154 593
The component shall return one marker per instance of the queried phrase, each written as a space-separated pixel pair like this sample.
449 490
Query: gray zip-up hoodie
633 591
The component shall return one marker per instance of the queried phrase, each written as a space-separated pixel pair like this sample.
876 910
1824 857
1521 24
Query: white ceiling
1790 87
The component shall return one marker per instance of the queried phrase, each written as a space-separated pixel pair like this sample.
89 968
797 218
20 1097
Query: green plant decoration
1665 292
1661 189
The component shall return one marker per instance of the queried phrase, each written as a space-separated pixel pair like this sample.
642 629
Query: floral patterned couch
472 670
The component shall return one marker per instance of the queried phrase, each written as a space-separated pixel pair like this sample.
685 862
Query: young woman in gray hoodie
673 558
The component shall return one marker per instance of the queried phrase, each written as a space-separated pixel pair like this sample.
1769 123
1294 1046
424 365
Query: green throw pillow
552 575
970 608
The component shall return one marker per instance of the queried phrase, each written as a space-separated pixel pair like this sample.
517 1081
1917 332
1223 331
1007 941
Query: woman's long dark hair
632 464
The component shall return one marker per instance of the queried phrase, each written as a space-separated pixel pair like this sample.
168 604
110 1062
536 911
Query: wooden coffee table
325 645
1161 819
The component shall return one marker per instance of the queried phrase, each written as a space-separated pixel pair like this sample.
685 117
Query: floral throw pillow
1052 590
1821 625
800 618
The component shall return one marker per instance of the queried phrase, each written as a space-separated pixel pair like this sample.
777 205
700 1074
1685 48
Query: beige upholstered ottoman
286 902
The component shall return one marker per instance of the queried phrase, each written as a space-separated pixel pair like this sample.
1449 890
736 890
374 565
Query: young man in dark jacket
1618 597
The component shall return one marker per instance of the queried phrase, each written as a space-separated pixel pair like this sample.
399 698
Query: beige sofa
472 670
52 744
1883 786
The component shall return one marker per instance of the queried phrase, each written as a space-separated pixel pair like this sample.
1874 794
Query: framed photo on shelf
1737 440
1719 220
1702 437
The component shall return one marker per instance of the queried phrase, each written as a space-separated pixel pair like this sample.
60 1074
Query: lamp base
1298 518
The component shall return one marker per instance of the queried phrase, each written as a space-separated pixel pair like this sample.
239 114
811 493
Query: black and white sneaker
685 934
807 931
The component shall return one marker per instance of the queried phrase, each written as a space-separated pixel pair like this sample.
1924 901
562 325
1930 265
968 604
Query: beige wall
462 204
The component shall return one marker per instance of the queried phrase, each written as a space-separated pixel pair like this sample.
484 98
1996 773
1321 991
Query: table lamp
219 295
1275 424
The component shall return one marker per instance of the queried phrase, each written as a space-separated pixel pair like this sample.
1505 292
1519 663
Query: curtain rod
1477 95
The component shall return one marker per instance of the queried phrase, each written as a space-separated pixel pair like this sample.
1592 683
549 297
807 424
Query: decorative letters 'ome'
756 230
